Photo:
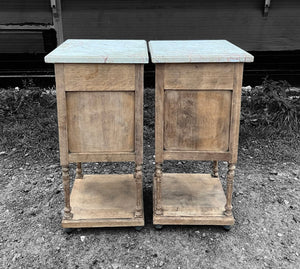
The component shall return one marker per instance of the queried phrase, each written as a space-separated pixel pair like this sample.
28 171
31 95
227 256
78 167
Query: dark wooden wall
240 22
20 12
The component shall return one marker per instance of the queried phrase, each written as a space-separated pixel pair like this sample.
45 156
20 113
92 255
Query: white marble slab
197 51
99 51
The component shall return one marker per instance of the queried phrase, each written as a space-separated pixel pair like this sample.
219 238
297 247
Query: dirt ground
266 207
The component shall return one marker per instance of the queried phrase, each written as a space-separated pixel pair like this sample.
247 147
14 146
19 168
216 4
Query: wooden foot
157 178
138 175
79 171
229 189
66 184
215 169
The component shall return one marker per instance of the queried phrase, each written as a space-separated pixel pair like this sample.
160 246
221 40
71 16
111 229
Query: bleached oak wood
196 155
190 76
102 157
215 169
66 185
62 114
139 111
229 189
157 189
104 201
236 108
197 120
79 171
100 121
138 175
100 77
159 112
192 199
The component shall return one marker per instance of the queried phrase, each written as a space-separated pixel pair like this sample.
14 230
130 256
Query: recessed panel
100 121
99 77
206 76
197 120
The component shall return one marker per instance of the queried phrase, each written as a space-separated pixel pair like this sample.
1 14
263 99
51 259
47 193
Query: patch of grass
28 121
271 109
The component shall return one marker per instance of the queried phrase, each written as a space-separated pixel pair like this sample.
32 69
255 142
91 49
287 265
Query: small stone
180 163
286 202
271 178
203 234
2 152
280 234
273 172
197 232
82 238
280 200
148 267
161 264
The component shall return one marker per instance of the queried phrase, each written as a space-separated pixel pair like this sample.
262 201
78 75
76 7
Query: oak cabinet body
99 87
197 112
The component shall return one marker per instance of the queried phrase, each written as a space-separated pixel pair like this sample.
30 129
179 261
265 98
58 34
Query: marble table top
197 51
99 51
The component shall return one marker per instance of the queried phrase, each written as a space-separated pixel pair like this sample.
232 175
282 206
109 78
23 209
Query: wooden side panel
100 121
100 77
139 111
197 120
61 114
159 111
208 76
236 108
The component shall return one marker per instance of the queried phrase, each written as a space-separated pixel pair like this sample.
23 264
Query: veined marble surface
99 51
197 51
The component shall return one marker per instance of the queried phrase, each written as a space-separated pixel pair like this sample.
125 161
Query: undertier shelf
192 199
104 201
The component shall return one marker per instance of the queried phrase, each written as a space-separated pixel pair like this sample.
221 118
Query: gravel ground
266 207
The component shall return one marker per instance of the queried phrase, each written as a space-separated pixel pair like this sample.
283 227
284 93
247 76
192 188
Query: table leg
138 175
230 175
215 169
157 178
79 171
66 184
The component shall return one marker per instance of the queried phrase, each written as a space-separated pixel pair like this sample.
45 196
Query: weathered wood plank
197 120
62 114
100 121
216 76
100 77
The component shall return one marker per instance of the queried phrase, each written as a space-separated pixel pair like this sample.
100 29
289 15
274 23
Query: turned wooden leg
138 175
215 169
66 184
230 175
79 171
157 178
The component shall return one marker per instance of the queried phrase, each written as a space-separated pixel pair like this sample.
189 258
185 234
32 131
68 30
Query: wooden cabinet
197 113
99 87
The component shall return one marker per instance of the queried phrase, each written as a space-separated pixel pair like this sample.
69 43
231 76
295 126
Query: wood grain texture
159 112
207 76
236 108
197 120
193 220
61 114
185 195
118 156
100 77
139 112
98 201
100 121
197 155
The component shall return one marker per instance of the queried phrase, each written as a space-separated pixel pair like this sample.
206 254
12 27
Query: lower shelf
104 201
192 199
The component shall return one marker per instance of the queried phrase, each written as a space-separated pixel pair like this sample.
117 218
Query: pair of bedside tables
99 87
